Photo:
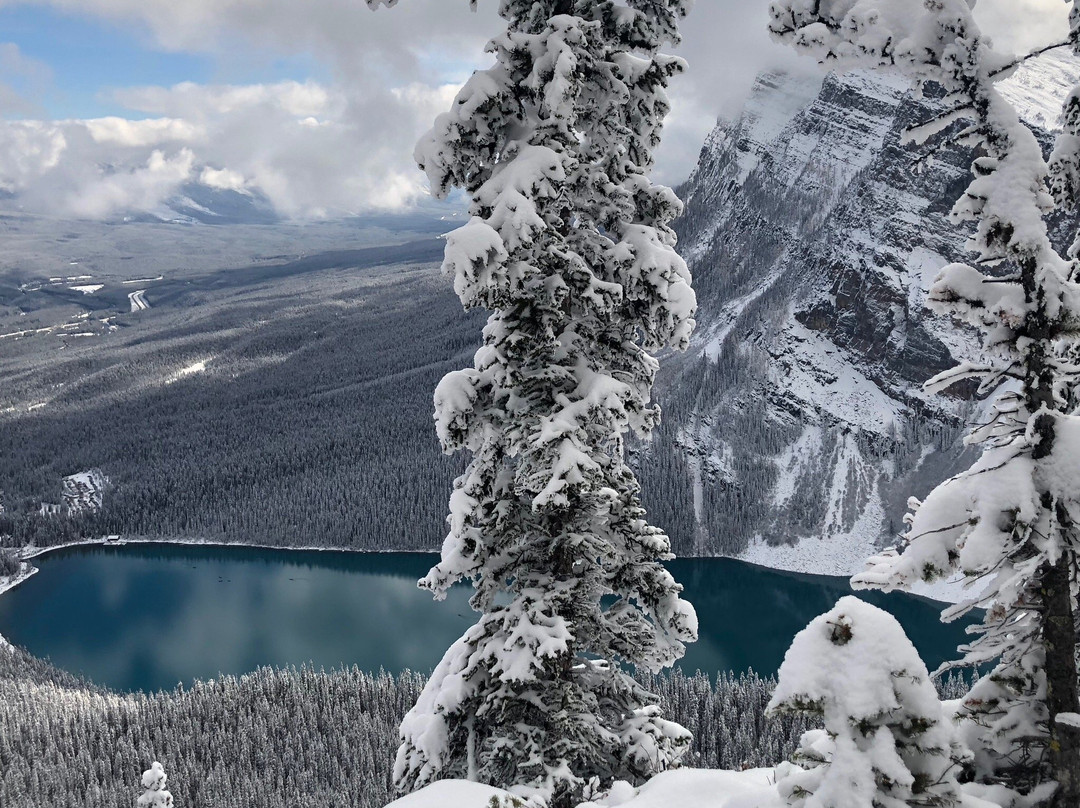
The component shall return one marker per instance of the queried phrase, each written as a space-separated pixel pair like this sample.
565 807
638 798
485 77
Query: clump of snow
459 794
696 788
692 788
89 288
1068 720
885 741
682 788
1001 481
153 781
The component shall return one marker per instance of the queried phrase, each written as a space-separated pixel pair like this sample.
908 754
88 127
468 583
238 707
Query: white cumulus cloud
148 132
342 143
313 151
224 179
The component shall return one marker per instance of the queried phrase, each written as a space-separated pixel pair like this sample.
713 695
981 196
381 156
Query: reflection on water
150 616
748 615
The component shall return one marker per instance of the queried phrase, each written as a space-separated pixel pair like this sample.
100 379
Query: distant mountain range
796 428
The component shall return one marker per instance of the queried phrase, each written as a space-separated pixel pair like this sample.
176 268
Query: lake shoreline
942 592
30 551
8 582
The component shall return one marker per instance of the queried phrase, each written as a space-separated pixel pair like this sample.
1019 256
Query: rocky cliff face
796 427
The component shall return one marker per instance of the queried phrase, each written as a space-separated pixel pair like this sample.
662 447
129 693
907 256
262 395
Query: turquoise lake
146 617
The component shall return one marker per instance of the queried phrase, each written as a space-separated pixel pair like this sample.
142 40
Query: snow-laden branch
1006 523
569 246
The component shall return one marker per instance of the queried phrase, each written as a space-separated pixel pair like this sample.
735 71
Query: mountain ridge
796 426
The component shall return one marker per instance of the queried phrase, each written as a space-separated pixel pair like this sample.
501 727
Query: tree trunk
1058 619
1059 637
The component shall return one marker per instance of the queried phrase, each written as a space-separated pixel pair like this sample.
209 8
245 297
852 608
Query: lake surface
145 617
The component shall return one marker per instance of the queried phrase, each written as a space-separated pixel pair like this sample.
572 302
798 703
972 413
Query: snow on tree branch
569 246
153 780
885 739
1008 523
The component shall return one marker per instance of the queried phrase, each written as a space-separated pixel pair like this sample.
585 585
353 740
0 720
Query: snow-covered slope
680 788
796 427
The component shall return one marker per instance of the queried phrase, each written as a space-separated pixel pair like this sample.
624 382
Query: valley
241 390
273 380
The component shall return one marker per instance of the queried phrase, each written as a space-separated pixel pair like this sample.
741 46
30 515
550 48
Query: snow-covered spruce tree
885 741
1008 523
153 781
569 247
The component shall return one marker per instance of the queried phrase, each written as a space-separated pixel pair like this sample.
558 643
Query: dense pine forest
311 426
292 738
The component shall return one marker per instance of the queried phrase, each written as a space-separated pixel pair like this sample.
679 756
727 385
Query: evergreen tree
885 742
1008 523
153 781
569 247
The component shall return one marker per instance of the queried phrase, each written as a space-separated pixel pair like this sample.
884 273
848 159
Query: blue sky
87 57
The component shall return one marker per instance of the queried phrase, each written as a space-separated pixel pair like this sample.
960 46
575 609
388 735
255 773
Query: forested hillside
287 738
307 422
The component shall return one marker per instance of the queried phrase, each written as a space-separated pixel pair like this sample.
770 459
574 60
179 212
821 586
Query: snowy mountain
796 427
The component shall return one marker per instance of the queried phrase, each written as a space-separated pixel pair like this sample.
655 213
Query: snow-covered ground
812 555
681 788
11 581
189 370
31 551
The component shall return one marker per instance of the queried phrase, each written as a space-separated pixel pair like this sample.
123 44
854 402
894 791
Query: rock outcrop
796 427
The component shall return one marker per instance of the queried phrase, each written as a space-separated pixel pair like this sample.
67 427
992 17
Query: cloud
344 34
140 187
60 168
431 44
343 143
313 151
1018 26
726 45
339 144
190 100
133 134
223 179
28 151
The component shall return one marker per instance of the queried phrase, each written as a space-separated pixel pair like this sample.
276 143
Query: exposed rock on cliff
796 427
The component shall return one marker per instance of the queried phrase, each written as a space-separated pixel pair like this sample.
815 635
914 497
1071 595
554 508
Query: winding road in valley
138 302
